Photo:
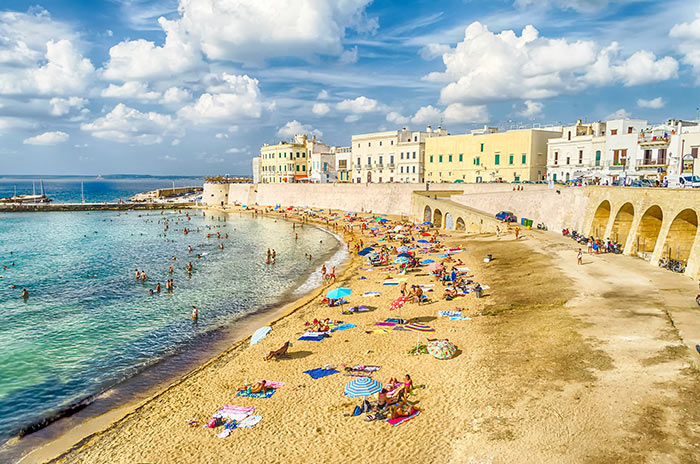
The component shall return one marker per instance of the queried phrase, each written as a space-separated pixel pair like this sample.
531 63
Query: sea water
89 324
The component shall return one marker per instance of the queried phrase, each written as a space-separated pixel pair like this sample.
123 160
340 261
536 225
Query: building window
358 146
401 155
568 160
524 159
359 162
298 167
556 158
391 159
482 148
694 152
369 144
380 143
510 159
431 158
661 158
477 160
580 157
597 157
414 169
415 138
369 160
647 156
630 129
392 142
613 132
449 158
401 169
461 157
414 155
569 135
497 159
381 160
440 158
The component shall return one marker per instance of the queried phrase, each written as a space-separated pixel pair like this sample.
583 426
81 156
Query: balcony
652 140
390 166
651 164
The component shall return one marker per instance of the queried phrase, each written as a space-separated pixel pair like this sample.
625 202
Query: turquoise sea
78 335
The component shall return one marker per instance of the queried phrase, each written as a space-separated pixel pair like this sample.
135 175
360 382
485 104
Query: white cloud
576 5
167 158
619 114
489 67
221 135
687 36
532 108
63 106
427 115
433 50
322 95
175 142
47 138
128 125
130 90
360 105
320 109
458 113
234 150
294 127
235 97
654 103
349 56
142 59
175 95
352 118
396 118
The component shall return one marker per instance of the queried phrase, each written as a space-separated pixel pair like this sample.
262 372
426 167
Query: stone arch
681 235
623 223
600 219
449 222
427 214
460 225
437 218
648 231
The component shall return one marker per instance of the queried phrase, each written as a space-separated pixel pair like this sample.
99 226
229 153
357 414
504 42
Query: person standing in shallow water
195 313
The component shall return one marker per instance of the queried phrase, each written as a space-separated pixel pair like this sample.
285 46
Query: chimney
428 129
578 122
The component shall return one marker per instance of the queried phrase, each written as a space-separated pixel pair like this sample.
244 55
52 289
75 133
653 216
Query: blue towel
319 373
256 395
344 327
308 338
390 283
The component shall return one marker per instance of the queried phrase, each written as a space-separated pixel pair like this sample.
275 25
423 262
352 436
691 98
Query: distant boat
30 199
99 177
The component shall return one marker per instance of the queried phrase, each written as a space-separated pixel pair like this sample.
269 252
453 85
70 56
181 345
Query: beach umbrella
402 249
427 261
362 386
397 303
425 234
442 349
259 335
339 293
423 241
402 260
434 267
400 236
404 255
365 251
398 228
427 223
419 327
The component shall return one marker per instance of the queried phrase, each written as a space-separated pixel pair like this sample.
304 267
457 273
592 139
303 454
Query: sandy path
557 365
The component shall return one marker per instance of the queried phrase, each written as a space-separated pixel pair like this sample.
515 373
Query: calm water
67 189
75 336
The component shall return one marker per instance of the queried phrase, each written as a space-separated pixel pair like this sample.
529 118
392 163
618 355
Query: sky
178 87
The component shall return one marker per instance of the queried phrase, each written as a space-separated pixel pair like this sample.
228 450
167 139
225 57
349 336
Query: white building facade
256 170
391 156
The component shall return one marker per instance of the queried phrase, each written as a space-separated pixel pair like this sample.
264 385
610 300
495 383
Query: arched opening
622 225
648 232
681 236
449 222
600 219
567 177
437 219
427 214
460 225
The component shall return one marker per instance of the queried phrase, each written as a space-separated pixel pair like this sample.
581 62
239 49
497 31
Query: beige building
343 164
486 155
285 162
391 156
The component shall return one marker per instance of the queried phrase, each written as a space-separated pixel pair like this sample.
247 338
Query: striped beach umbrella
402 249
401 260
442 349
362 386
419 327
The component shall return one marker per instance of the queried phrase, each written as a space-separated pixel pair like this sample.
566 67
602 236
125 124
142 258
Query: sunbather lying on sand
257 387
401 411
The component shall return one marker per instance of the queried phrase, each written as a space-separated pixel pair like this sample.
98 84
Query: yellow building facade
487 155
286 162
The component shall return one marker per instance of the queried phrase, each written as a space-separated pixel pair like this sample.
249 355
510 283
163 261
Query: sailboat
31 199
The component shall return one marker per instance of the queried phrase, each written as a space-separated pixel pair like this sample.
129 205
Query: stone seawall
92 207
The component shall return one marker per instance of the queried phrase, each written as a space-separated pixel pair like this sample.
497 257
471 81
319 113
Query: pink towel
275 385
401 420
237 413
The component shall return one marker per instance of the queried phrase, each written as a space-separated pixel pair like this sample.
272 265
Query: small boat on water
26 199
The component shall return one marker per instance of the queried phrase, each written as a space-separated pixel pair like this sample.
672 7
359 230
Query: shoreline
229 339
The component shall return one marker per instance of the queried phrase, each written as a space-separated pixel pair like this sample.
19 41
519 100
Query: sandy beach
558 363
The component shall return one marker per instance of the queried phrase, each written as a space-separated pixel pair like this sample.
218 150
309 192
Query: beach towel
249 422
344 327
426 285
460 318
385 324
401 420
371 293
358 309
320 373
363 368
379 331
485 287
273 384
463 269
398 327
397 321
237 413
390 282
449 313
311 338
225 433
256 395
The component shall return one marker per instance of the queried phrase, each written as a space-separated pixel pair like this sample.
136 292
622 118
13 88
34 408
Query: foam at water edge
315 279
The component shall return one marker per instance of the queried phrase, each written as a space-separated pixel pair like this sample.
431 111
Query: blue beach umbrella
427 261
405 255
423 241
402 248
427 223
401 260
339 293
362 386
365 251
259 335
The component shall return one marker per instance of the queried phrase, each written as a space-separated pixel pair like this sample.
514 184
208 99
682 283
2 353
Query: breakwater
47 207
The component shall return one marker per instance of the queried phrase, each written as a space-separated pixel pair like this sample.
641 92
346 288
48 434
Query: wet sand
560 363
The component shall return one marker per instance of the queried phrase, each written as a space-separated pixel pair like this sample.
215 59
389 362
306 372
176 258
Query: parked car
685 181
506 216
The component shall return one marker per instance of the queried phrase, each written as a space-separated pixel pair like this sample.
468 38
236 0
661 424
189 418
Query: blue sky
196 86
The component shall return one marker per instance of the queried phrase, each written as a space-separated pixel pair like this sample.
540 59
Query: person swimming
25 293
195 313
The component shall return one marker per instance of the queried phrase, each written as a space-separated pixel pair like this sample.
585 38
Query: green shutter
498 159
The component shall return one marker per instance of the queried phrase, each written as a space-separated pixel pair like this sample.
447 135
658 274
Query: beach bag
357 411
211 424
366 406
